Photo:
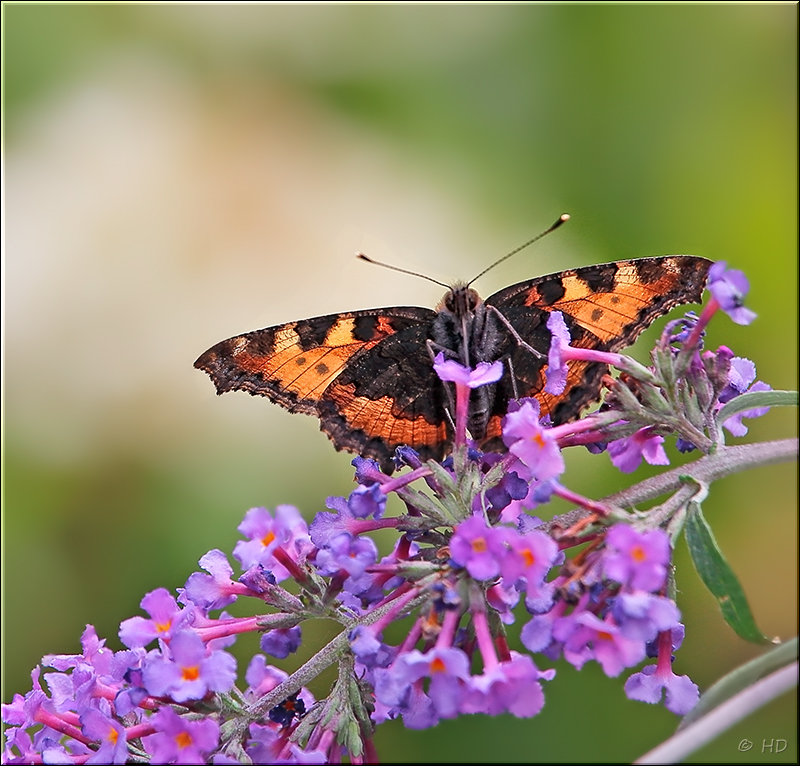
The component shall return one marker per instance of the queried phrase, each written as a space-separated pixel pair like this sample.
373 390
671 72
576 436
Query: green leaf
752 400
442 476
741 678
350 737
718 577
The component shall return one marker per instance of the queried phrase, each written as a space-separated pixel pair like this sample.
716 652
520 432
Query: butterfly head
460 300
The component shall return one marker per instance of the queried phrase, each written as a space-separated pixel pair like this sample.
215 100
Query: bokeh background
175 175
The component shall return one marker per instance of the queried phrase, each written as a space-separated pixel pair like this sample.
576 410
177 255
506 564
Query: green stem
724 462
308 672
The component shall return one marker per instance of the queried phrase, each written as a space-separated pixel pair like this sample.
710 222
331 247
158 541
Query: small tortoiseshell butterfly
368 375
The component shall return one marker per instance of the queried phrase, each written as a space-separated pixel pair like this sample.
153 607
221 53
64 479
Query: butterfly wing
605 307
613 301
389 397
366 374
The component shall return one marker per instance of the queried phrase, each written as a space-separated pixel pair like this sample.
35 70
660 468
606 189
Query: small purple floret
190 672
214 590
649 685
533 445
637 559
166 617
729 287
451 371
282 642
265 533
367 501
348 553
556 362
477 547
626 454
180 740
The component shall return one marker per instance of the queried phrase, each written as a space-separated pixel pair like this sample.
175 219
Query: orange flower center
437 666
184 739
479 545
528 557
190 673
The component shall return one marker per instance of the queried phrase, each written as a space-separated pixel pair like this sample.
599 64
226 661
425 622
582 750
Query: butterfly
368 375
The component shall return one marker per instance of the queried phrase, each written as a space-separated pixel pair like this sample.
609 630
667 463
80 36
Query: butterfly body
368 375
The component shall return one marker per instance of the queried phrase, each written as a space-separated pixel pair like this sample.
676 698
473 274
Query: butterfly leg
513 378
515 334
433 349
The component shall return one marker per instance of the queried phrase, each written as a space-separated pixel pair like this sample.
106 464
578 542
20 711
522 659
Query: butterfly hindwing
388 397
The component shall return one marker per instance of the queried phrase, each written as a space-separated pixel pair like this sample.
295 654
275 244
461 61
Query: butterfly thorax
468 332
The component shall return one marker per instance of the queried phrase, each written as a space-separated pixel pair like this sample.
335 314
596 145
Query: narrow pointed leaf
753 400
719 578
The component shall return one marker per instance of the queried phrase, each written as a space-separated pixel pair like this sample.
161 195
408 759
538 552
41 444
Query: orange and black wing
606 307
367 375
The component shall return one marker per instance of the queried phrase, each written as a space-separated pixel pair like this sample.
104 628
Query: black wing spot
599 279
312 332
551 291
649 270
364 328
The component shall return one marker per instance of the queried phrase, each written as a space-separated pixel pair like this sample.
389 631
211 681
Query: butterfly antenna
402 271
562 219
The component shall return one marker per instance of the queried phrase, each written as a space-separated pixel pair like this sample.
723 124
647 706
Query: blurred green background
175 175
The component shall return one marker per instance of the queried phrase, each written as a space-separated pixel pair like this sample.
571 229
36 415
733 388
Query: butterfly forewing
614 301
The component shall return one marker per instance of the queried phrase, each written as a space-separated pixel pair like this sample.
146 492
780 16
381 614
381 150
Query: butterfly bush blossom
469 559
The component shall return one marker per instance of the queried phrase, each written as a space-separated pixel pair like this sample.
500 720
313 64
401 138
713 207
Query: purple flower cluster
620 610
103 706
467 553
